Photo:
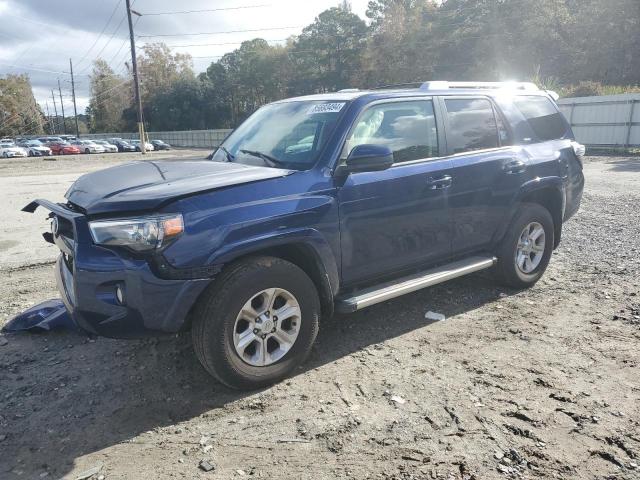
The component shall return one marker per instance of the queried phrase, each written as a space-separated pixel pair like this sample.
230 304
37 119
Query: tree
19 112
401 46
178 108
159 69
110 95
328 53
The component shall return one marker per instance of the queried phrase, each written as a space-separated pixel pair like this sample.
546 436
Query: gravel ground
543 383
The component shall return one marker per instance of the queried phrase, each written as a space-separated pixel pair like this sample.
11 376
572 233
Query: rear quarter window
542 116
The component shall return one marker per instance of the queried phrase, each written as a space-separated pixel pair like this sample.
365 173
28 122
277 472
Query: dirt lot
543 383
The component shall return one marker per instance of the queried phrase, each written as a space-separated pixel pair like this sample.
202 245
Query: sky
37 37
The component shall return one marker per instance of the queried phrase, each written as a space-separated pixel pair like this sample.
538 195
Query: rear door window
472 124
544 118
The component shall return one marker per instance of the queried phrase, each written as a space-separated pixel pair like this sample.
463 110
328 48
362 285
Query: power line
52 25
108 42
34 69
223 43
220 32
118 85
101 33
126 40
205 10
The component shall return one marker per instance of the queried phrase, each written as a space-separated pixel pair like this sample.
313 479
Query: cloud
38 37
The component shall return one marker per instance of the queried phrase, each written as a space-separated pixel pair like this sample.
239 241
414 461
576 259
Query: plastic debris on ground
44 317
434 317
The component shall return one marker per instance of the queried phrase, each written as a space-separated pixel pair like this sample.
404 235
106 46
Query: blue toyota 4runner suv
314 204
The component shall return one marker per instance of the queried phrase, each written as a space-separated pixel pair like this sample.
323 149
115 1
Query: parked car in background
5 141
160 145
68 138
63 148
148 146
35 148
122 145
9 149
108 147
88 146
48 140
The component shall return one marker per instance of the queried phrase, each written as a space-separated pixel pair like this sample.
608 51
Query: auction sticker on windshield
325 108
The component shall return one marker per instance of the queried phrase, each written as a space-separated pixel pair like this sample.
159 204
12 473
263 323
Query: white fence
187 138
604 121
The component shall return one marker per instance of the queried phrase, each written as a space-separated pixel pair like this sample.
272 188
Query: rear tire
526 249
224 317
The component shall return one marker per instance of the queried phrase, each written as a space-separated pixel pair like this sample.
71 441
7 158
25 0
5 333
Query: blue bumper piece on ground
46 316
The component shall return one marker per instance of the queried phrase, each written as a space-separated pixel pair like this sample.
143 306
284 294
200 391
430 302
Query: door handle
439 183
514 166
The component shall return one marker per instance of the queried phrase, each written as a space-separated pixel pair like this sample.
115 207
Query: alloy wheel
267 327
530 249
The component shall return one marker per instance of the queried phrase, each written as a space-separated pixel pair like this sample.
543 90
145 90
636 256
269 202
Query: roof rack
349 90
399 85
444 85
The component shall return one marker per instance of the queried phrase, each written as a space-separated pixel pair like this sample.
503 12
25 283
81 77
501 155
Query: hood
147 185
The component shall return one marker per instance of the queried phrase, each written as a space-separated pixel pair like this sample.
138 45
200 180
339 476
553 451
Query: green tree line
577 47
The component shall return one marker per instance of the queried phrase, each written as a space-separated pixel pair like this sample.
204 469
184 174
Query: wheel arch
547 192
311 254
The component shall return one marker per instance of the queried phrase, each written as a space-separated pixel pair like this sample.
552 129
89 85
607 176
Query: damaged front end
108 290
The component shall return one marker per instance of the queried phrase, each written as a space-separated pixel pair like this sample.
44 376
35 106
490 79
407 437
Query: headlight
138 234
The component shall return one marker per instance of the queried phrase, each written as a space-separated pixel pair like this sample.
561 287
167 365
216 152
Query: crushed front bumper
108 293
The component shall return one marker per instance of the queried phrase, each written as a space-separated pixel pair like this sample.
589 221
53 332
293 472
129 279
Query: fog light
119 295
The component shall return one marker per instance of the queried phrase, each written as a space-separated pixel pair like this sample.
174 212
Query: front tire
256 323
526 248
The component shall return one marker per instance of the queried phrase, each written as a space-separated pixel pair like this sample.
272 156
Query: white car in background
108 147
35 148
9 150
136 143
88 146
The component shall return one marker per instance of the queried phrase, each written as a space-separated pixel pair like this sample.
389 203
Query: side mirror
367 158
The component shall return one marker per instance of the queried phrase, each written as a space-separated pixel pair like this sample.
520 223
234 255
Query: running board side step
387 291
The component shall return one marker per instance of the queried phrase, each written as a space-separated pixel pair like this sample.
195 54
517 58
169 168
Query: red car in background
63 148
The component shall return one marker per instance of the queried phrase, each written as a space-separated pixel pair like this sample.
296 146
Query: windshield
34 143
282 135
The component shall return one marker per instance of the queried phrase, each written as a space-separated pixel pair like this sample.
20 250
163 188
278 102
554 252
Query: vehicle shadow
631 164
65 396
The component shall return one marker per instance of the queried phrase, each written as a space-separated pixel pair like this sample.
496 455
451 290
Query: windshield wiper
264 156
230 157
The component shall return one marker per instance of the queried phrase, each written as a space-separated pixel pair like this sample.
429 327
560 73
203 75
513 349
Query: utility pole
51 131
55 109
136 80
64 122
73 94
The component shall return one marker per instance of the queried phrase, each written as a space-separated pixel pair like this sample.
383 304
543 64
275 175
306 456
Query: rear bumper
150 305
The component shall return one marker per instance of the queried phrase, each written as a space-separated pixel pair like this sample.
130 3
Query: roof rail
399 85
349 90
443 85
